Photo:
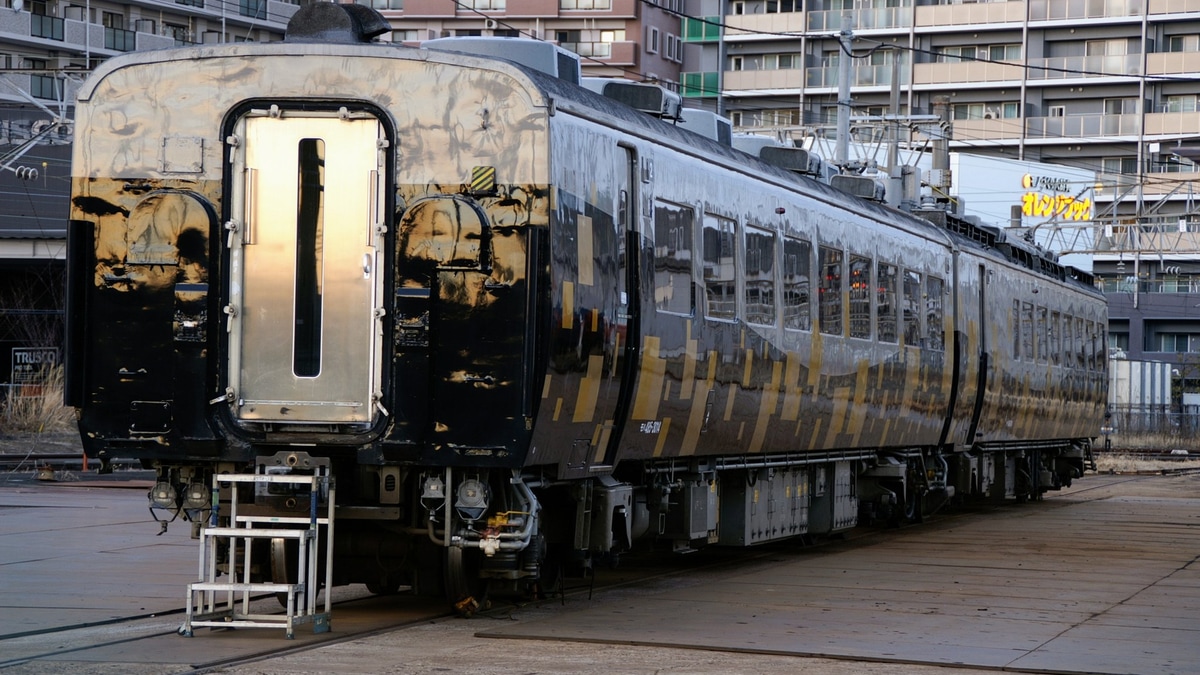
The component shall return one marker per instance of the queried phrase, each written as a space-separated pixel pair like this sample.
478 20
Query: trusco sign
1036 203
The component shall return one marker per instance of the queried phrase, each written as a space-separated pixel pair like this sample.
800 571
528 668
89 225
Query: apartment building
1110 86
46 48
633 39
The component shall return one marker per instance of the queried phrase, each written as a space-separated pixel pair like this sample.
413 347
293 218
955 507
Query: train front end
323 251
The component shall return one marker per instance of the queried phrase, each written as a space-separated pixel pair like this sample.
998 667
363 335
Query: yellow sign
1065 207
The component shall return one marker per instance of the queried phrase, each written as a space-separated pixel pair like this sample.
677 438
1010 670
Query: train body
525 324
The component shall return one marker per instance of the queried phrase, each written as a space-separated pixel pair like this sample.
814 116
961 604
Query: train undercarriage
464 534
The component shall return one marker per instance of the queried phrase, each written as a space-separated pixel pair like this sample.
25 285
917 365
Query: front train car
316 253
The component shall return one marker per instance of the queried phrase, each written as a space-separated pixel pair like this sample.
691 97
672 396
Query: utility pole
842 149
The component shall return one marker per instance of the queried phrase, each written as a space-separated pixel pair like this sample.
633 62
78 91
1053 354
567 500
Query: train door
304 278
628 332
984 361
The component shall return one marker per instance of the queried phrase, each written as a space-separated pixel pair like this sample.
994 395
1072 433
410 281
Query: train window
1016 329
1090 345
797 274
306 349
860 297
1040 336
829 292
674 226
912 308
720 275
1055 338
1027 330
1081 358
1068 342
885 301
760 276
936 336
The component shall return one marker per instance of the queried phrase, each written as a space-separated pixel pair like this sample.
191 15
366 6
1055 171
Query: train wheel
464 589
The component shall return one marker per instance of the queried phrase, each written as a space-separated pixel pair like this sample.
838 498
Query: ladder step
251 533
236 587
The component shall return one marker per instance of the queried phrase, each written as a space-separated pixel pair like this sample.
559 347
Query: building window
720 270
1183 43
585 4
1181 104
673 230
1118 340
1119 165
651 40
706 29
254 9
700 85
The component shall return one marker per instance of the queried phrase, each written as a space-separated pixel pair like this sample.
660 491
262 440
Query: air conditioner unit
991 114
491 24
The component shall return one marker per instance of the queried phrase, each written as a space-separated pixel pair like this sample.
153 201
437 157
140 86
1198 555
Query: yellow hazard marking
791 388
841 403
741 430
602 442
666 395
662 437
816 433
558 408
568 305
546 387
689 370
858 415
650 383
595 319
589 390
748 370
700 402
769 400
587 260
733 388
483 178
596 434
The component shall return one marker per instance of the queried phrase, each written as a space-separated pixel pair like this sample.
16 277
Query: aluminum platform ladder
227 603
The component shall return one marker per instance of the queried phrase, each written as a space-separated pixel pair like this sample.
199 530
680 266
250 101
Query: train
528 323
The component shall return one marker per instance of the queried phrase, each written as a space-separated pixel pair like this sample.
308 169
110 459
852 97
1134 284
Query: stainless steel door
304 269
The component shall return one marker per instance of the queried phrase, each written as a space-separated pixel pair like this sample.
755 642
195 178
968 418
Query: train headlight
433 493
163 496
472 499
196 497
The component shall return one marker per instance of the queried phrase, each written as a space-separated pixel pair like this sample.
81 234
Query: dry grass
1118 462
38 407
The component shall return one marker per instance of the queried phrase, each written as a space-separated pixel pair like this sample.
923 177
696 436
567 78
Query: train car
527 326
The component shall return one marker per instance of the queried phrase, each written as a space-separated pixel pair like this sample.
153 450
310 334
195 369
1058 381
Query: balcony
758 80
1076 10
1172 124
1082 126
1174 7
988 129
966 72
978 14
861 19
120 40
49 27
743 26
861 76
1077 67
1173 63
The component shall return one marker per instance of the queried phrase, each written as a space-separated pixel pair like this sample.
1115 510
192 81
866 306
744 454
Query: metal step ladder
226 603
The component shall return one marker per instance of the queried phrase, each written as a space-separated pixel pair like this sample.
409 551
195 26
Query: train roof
563 94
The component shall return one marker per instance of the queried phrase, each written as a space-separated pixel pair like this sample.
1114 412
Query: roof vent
859 186
329 22
708 124
541 56
641 96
